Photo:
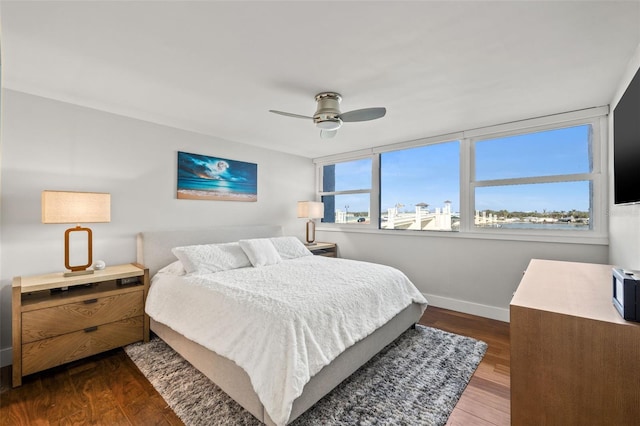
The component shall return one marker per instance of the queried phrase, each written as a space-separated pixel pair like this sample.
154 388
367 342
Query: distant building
421 219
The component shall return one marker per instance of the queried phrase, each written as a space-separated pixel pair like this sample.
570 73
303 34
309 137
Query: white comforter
282 323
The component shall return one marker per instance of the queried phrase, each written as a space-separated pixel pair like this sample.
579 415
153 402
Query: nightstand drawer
58 320
325 253
47 353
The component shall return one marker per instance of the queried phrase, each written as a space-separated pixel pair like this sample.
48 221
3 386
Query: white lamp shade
310 209
75 207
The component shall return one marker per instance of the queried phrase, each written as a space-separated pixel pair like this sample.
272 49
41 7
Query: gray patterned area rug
416 380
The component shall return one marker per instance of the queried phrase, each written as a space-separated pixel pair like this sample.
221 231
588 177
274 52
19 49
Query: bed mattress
282 323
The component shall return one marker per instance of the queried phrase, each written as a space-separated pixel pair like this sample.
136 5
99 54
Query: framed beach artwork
201 177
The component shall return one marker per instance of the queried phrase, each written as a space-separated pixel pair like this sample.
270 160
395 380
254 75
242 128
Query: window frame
450 138
596 176
597 234
374 191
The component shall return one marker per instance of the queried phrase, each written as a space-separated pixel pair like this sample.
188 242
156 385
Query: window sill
544 237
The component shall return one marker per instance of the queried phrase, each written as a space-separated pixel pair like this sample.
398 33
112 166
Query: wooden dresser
574 360
93 313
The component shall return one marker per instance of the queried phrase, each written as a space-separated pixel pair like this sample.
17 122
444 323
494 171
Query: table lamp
311 210
76 207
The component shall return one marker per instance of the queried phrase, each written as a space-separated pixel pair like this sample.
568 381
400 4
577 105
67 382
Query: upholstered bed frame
154 251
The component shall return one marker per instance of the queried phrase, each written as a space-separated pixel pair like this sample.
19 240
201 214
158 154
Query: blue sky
428 174
554 152
431 174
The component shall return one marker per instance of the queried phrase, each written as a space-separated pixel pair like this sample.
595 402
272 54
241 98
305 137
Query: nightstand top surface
319 245
56 279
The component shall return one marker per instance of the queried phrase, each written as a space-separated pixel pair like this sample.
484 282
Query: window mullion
535 179
345 192
319 180
599 201
466 185
375 192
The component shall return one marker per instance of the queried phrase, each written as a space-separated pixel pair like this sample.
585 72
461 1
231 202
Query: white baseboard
6 357
485 311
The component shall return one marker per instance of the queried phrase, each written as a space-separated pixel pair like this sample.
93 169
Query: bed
237 377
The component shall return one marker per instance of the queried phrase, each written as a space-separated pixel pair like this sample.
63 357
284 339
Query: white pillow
290 247
174 268
260 251
208 258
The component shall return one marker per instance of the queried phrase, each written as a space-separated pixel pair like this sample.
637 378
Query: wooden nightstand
324 249
96 313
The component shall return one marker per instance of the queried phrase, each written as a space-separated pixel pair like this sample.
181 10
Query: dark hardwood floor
108 389
486 400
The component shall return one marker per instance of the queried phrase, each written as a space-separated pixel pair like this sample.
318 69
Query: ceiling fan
328 117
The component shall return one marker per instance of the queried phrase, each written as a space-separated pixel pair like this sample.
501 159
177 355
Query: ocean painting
213 178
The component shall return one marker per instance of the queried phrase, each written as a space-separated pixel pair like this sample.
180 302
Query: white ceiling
218 67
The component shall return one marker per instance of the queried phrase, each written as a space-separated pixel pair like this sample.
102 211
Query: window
346 192
536 180
420 188
539 178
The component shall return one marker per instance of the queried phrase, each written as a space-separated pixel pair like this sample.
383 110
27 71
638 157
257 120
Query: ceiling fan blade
365 114
288 114
326 134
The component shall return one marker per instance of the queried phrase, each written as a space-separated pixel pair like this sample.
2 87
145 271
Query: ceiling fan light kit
328 123
328 117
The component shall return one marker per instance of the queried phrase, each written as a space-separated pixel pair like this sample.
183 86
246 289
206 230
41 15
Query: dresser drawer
47 353
63 319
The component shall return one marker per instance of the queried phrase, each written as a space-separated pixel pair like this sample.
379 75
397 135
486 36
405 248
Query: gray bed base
154 251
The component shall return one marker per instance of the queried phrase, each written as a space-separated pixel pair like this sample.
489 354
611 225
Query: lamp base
82 269
74 273
311 232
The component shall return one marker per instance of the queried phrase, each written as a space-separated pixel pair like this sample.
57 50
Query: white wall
624 221
48 144
476 276
52 145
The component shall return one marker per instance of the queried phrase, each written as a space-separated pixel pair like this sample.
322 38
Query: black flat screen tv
626 145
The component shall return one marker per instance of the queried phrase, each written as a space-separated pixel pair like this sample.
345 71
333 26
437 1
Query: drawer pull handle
90 329
87 302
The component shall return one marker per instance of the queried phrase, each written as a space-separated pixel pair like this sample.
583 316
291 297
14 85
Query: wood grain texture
105 389
62 319
574 364
573 371
109 389
52 327
145 291
56 279
16 329
47 353
47 299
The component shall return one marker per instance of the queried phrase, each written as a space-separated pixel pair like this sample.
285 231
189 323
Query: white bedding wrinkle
282 323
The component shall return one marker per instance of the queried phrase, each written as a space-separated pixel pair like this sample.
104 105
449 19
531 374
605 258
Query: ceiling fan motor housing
326 116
